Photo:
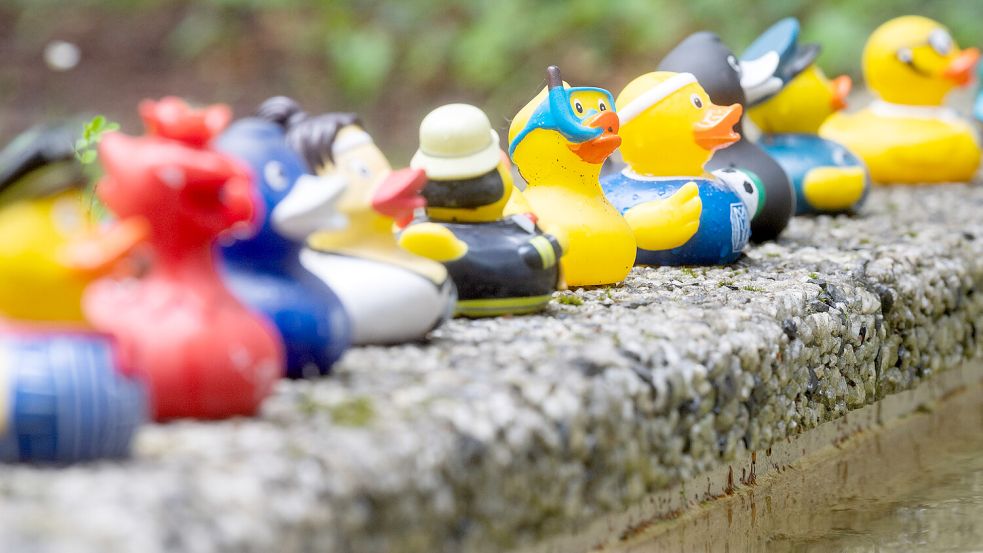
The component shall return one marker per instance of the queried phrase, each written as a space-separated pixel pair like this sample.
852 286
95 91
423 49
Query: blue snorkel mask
556 114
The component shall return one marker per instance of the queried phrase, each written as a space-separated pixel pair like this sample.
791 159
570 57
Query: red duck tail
398 195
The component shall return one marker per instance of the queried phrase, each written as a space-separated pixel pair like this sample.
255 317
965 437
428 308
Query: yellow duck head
469 177
564 132
46 259
913 60
669 125
372 196
803 104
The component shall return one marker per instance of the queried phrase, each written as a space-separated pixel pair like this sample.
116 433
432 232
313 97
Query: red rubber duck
205 355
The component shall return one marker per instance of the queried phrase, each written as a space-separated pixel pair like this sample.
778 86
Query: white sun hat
456 142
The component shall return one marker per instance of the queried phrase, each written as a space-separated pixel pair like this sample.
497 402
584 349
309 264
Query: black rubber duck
727 80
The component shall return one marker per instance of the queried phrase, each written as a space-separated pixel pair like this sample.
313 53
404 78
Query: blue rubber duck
826 176
264 270
66 392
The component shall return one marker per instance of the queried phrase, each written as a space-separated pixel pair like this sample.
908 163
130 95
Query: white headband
653 96
350 140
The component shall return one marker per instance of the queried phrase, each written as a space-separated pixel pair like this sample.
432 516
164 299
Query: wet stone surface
500 432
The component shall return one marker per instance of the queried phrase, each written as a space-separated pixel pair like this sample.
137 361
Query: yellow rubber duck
680 214
907 135
559 141
46 257
826 176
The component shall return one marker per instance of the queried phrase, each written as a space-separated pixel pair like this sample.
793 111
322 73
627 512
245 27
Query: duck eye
275 176
732 62
940 41
358 167
579 107
905 55
601 106
697 102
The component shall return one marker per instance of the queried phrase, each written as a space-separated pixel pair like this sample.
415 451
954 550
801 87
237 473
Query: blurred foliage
92 132
397 55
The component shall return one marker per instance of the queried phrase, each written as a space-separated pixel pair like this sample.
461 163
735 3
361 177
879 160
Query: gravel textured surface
500 432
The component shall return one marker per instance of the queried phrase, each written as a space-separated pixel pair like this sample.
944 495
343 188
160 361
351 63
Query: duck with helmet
67 392
501 264
559 141
391 295
680 214
264 269
907 134
729 81
827 177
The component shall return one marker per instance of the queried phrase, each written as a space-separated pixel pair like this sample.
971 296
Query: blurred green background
391 61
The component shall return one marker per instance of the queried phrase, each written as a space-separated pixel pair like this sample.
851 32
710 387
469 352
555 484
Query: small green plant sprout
92 133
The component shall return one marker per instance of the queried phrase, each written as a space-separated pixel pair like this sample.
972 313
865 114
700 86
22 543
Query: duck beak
398 196
310 206
99 253
716 129
596 150
841 89
960 69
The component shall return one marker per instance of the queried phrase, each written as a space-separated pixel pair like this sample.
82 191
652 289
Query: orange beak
596 150
99 253
398 196
716 129
841 89
960 70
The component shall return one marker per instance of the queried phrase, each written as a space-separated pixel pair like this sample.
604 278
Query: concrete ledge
506 434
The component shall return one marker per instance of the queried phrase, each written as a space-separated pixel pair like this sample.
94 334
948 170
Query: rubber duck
827 177
501 265
264 270
205 355
66 394
906 135
731 81
559 142
680 214
392 295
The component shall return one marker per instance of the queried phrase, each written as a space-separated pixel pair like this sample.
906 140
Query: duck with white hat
502 264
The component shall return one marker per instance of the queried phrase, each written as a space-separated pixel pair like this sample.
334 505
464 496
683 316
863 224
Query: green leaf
88 156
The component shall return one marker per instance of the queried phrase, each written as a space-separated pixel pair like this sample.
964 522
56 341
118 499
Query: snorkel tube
556 113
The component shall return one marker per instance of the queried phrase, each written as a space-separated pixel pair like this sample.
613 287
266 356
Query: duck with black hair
391 295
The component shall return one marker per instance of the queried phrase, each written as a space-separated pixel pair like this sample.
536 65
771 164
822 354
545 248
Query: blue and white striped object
63 399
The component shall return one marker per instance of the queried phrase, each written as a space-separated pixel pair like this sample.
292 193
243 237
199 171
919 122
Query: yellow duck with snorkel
907 136
558 142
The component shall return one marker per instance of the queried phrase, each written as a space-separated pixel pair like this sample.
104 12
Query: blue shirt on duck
724 226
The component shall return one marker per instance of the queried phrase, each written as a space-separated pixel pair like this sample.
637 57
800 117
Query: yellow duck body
565 193
35 282
907 136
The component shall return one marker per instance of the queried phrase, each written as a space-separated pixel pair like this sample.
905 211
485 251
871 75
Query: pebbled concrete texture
499 433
